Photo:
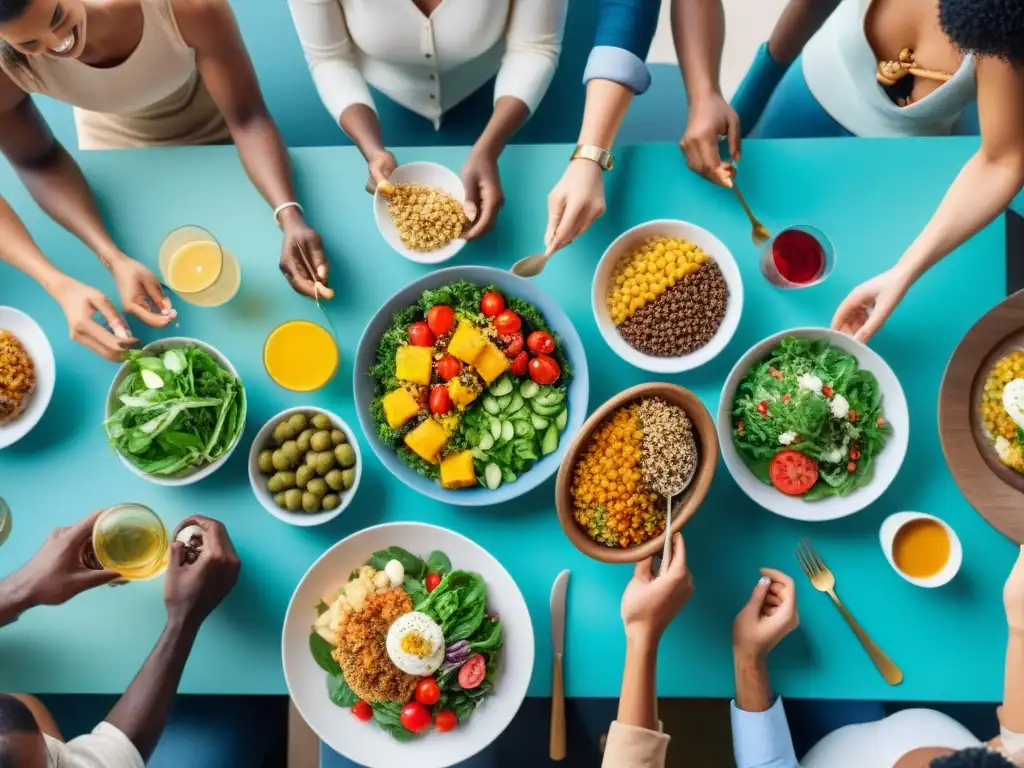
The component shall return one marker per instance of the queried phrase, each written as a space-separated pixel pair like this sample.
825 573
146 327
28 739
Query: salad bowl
848 496
365 742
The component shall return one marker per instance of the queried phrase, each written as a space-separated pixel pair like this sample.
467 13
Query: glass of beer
131 540
197 268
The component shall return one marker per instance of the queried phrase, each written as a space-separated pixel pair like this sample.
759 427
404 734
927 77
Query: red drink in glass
797 257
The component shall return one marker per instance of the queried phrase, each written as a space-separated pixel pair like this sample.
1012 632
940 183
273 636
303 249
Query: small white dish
713 247
430 175
192 474
38 347
258 481
892 526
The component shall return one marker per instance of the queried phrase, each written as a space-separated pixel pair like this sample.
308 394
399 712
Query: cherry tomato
544 370
762 408
427 692
440 400
827 391
541 343
415 717
793 473
520 364
514 343
880 422
420 335
446 720
852 416
473 672
507 322
448 367
492 304
441 319
433 579
851 467
854 453
363 711
786 398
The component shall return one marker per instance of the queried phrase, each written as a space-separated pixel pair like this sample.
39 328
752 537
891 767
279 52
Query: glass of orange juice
197 268
300 355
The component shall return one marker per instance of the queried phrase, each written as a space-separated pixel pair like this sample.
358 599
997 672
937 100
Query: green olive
281 501
311 457
266 461
345 455
324 463
293 499
303 440
310 502
349 478
321 421
275 485
282 432
297 422
291 450
317 487
321 441
337 436
330 501
280 460
335 478
303 475
285 480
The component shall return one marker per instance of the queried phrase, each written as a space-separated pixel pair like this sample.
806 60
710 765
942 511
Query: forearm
798 23
753 688
264 157
638 701
606 106
1012 712
141 713
15 598
360 123
698 29
508 116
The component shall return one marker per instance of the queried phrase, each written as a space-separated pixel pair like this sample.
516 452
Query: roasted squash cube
427 440
466 343
491 363
457 470
399 407
414 364
461 394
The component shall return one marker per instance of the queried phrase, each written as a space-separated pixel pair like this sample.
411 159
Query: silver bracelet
283 206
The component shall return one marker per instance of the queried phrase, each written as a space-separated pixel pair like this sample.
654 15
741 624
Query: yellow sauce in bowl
921 548
300 355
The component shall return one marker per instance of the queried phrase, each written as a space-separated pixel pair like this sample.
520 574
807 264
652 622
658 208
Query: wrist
110 256
745 656
290 217
181 624
642 638
701 93
53 281
486 149
17 594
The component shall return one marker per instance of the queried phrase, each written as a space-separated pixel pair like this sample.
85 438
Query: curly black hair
972 758
986 27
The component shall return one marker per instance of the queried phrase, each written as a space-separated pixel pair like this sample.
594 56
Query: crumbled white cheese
832 457
840 407
809 381
396 572
1002 447
786 438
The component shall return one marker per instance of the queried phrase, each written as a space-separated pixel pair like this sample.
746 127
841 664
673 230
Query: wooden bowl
707 459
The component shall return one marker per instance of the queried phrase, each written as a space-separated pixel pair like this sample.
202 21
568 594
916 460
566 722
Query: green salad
809 421
179 410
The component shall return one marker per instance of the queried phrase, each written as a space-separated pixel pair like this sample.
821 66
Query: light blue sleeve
762 739
618 65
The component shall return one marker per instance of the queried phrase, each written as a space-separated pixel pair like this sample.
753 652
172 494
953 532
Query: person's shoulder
200 11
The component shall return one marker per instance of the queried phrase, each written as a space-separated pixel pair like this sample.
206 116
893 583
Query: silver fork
824 581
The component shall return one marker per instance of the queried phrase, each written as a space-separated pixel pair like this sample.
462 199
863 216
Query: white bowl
192 474
712 246
430 175
258 480
364 742
887 463
38 347
887 535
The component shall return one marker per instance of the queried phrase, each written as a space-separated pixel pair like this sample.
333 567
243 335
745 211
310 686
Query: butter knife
558 593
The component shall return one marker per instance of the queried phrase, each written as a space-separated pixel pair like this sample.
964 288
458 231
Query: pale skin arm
638 701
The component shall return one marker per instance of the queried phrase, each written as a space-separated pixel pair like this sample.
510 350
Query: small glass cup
130 540
195 266
5 521
795 238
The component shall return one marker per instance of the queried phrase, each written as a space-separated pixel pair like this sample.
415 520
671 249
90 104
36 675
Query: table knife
558 592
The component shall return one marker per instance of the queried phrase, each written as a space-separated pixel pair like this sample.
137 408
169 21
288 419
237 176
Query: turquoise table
948 641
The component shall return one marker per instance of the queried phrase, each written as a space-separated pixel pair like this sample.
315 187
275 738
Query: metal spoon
666 548
531 266
758 233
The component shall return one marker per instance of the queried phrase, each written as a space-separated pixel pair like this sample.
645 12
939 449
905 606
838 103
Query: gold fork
824 581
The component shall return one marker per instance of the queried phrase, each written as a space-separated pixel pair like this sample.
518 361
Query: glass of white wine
131 540
196 267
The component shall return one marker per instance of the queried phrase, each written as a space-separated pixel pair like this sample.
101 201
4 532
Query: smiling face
45 28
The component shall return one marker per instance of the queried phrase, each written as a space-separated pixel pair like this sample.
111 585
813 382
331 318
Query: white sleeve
533 43
105 747
331 54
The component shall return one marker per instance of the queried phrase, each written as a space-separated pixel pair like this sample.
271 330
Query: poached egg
415 644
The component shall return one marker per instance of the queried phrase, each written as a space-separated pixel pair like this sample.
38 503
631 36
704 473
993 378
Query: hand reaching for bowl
650 602
194 586
140 291
381 164
871 303
767 618
81 304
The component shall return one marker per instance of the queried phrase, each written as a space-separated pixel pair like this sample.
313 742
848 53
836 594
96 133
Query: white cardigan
429 64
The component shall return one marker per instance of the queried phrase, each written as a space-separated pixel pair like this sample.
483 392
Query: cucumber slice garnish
538 421
491 405
492 476
507 431
529 388
561 419
501 387
524 429
549 443
486 442
495 428
514 404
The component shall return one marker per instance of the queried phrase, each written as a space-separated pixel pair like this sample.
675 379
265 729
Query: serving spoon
666 547
531 266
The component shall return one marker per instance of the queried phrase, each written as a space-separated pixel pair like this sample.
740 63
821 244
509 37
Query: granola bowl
427 174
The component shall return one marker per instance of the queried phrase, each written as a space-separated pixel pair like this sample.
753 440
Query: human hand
650 602
1013 596
380 164
710 118
767 618
193 589
576 202
301 251
57 572
484 195
140 292
869 305
80 304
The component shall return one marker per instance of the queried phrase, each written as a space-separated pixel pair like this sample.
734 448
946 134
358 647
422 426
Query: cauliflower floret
381 580
787 438
840 407
809 381
355 593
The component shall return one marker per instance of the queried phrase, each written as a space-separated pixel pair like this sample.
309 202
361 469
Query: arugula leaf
321 651
470 592
388 717
415 589
438 563
339 691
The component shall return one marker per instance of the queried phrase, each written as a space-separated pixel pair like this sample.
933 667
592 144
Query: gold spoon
758 233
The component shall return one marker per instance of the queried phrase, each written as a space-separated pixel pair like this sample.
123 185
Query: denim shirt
625 29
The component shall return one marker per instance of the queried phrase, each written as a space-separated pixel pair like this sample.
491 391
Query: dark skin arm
209 27
484 196
799 21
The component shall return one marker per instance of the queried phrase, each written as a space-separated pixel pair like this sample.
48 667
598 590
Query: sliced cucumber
549 396
545 410
526 452
486 442
523 429
508 475
507 431
529 388
501 387
561 419
492 476
495 428
479 454
549 443
491 405
538 421
514 404
523 414
503 402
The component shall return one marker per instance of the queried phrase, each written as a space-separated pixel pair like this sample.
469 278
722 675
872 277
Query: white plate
712 246
887 463
363 742
258 481
38 346
431 175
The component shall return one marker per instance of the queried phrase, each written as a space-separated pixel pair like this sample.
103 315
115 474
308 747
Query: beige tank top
154 98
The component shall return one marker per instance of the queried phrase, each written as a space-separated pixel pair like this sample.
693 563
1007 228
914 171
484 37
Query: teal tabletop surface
949 641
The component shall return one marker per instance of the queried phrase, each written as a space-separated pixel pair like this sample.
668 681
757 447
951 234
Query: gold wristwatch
602 157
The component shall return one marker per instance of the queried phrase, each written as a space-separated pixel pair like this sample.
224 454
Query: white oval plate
38 346
430 175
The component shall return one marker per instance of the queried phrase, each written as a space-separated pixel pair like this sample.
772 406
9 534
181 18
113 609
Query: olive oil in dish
300 355
921 548
131 540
